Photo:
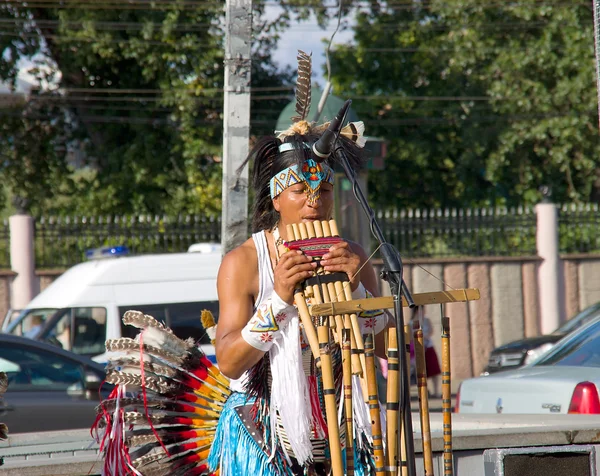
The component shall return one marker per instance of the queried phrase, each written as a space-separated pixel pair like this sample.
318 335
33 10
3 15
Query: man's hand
293 268
341 258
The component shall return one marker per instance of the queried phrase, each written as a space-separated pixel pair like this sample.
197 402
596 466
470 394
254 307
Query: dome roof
332 107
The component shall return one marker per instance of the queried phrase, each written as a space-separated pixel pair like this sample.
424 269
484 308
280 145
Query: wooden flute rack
397 465
387 302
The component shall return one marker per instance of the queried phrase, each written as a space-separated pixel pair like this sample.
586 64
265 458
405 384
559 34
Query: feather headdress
300 126
303 86
163 412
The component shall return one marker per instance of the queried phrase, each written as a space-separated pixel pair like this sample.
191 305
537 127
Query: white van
83 307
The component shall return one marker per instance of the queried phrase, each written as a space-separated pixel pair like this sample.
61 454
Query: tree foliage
481 103
135 91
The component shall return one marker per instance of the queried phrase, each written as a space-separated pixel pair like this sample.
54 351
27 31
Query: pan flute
343 329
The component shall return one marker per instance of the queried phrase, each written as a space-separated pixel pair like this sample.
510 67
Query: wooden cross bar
387 302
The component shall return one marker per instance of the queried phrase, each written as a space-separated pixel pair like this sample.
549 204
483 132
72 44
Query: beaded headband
312 176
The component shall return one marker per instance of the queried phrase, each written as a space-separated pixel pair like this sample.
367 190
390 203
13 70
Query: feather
3 383
133 365
207 319
111 404
141 440
158 469
134 417
355 131
156 384
208 322
148 458
303 86
143 321
167 426
3 387
124 344
163 340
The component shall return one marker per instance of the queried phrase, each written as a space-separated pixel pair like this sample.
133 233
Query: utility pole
236 123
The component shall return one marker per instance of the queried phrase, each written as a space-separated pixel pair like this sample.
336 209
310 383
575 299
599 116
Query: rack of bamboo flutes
331 317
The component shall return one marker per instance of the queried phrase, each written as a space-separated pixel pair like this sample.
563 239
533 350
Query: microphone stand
392 272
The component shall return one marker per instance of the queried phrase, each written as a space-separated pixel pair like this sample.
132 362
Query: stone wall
44 278
509 305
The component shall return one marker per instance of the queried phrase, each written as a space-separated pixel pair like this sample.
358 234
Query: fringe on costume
245 456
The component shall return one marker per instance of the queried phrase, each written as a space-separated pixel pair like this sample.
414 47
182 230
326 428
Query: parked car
565 379
48 388
523 351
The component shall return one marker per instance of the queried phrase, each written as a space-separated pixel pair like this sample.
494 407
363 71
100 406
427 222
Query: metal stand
392 273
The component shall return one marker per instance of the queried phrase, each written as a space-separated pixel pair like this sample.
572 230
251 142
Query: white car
564 380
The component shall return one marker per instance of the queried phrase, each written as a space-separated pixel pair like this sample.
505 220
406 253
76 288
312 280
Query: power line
409 121
105 25
191 4
445 50
386 97
424 5
66 39
506 26
158 91
181 5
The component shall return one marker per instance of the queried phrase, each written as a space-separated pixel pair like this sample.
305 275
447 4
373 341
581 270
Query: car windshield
30 322
579 320
581 349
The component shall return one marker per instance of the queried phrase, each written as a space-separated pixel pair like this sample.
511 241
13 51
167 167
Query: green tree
481 103
136 90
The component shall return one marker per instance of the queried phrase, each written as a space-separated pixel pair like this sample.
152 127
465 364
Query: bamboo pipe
314 230
335 446
300 232
374 411
423 400
336 293
344 289
319 232
393 404
403 436
348 416
447 398
304 313
341 290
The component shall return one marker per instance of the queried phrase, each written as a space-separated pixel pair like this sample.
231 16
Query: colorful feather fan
3 387
163 412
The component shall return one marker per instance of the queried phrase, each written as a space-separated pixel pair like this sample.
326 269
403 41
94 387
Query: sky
308 36
305 35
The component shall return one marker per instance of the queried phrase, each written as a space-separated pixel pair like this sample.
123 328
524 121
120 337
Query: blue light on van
107 252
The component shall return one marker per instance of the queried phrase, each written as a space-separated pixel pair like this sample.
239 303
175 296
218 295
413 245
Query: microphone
324 146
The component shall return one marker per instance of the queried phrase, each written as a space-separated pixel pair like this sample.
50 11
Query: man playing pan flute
274 421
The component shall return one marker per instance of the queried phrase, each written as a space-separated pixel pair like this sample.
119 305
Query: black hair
267 161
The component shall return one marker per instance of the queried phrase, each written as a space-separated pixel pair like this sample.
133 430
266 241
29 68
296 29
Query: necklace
278 242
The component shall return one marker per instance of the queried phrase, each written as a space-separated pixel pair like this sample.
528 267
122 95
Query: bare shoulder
239 264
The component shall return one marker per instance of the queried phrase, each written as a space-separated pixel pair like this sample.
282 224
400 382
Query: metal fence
579 228
62 242
4 244
461 232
